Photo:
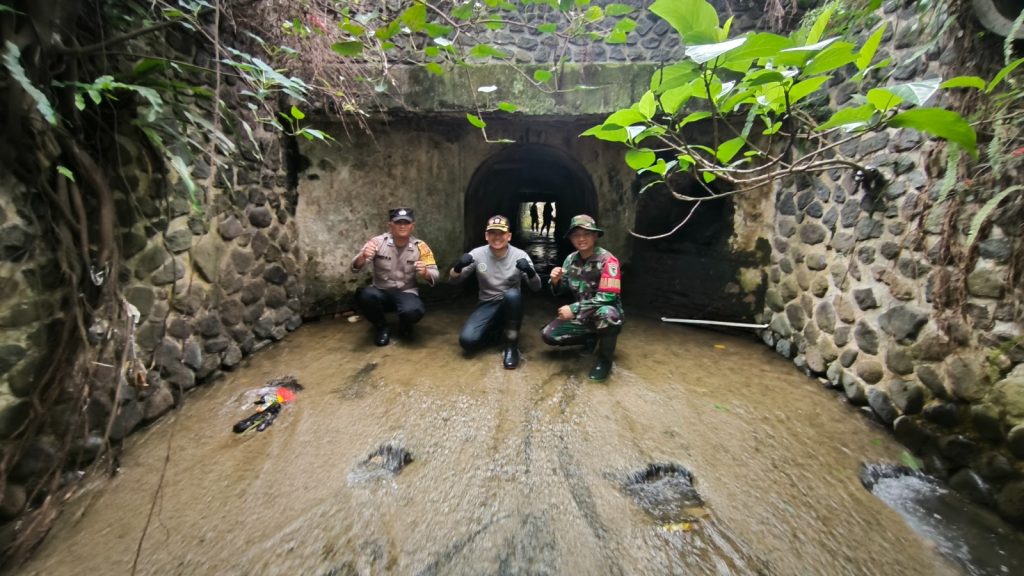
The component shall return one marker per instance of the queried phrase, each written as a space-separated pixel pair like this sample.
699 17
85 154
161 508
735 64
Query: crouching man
500 270
398 258
593 276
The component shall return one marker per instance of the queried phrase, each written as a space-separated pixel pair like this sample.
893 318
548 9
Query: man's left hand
524 266
421 268
565 313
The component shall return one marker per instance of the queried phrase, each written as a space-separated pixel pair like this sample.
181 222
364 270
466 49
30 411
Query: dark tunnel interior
521 174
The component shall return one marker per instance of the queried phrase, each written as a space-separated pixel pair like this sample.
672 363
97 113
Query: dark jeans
374 303
506 314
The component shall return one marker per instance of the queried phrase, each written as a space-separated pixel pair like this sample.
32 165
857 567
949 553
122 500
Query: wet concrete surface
510 472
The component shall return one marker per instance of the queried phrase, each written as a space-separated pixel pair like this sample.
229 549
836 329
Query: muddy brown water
513 472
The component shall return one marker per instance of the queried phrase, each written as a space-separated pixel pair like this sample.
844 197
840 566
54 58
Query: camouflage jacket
594 282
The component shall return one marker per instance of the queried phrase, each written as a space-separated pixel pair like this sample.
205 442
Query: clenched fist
556 274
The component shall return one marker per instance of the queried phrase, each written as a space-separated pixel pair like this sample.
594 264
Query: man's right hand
556 274
464 260
369 250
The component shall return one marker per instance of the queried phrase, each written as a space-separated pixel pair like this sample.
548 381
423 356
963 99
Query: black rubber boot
405 330
605 353
510 357
383 335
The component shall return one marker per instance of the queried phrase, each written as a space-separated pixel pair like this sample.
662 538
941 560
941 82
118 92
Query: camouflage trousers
595 322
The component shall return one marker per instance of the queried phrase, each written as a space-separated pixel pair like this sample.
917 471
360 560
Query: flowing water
705 453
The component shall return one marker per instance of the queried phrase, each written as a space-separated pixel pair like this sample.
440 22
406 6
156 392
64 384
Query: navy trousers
505 314
374 303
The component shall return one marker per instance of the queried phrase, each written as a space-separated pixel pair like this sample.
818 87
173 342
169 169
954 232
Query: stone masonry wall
213 278
862 294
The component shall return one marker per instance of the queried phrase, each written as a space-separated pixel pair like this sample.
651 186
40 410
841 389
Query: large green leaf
850 117
835 56
917 93
625 117
673 76
728 149
706 52
1003 73
691 18
867 51
761 45
608 133
476 120
641 158
486 51
944 124
618 9
802 89
818 29
351 48
12 60
883 100
647 105
415 17
964 82
672 100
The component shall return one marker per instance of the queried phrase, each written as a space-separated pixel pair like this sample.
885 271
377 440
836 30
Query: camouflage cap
497 222
584 222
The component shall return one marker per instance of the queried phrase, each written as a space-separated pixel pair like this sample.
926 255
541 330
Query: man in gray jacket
398 258
500 270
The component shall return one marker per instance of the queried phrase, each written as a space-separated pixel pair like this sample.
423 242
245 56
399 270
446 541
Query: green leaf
706 52
296 113
849 117
910 461
945 124
147 65
548 28
708 177
762 77
693 117
800 90
437 30
541 76
762 45
674 76
434 68
984 211
608 133
638 159
486 51
693 19
818 29
352 28
659 167
835 56
12 60
507 107
65 172
350 48
625 117
868 50
593 14
964 82
618 9
728 149
626 25
647 105
476 121
883 100
388 31
463 12
616 37
1002 74
916 93
415 17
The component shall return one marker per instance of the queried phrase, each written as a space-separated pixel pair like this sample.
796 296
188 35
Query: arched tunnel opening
511 180
689 264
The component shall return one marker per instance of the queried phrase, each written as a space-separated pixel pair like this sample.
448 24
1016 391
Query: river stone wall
863 294
214 278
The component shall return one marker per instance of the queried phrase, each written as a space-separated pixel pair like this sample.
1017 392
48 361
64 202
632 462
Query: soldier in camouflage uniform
593 276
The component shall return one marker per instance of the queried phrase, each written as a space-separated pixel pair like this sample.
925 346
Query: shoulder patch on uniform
611 279
425 254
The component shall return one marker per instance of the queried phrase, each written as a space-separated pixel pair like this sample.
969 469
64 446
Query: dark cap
396 214
584 222
497 222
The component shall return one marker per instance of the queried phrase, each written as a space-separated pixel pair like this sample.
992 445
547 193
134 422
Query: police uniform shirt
395 268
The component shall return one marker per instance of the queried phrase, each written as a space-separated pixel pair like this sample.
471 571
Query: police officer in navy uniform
399 259
593 276
500 269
